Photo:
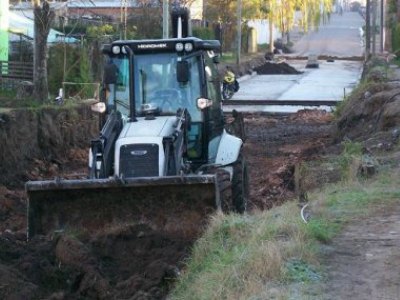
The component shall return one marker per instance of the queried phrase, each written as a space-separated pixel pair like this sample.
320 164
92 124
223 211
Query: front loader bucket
172 204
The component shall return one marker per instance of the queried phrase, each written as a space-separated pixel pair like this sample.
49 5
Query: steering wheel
167 97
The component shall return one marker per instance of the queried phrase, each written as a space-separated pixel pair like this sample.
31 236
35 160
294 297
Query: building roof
102 3
28 5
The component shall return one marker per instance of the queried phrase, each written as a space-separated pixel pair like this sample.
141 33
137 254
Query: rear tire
226 93
240 185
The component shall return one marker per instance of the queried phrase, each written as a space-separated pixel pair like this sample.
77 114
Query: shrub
203 33
396 39
75 60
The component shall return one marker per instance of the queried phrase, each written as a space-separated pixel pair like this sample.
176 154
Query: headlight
123 49
116 50
188 47
179 47
202 103
99 107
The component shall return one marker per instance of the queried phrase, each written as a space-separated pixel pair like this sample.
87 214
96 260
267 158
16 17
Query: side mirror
182 71
216 59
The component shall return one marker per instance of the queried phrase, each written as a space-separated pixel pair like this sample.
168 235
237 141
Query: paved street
331 81
339 37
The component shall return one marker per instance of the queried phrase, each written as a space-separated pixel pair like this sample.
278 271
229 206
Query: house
115 10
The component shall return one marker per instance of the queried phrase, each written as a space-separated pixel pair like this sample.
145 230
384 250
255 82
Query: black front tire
225 190
240 185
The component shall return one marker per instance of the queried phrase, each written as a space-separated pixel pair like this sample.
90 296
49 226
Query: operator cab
165 76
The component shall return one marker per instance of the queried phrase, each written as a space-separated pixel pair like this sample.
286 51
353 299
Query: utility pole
204 13
239 30
123 19
368 29
165 19
382 24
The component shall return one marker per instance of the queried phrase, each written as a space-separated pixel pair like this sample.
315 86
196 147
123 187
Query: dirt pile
246 66
275 145
131 262
32 138
372 114
270 68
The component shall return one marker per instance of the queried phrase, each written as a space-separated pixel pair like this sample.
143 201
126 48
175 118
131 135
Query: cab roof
163 45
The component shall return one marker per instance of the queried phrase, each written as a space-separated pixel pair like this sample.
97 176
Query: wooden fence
16 70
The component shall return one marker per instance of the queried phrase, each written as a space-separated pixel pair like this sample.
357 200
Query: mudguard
228 149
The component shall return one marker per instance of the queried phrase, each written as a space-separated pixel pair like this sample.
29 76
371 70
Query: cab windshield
156 86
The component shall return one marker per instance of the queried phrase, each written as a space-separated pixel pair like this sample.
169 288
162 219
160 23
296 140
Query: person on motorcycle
229 85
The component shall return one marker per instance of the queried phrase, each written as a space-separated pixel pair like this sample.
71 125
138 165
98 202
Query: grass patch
323 230
254 256
349 160
301 271
8 100
228 57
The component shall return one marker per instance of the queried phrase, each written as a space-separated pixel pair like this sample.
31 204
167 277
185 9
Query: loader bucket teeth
172 204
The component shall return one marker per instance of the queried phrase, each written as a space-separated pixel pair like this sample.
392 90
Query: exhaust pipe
181 22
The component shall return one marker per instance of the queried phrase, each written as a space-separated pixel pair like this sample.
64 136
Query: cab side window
214 93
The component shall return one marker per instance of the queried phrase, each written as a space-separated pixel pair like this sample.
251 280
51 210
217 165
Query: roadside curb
247 76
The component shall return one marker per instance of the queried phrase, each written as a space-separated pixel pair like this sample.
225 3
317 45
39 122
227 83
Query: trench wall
45 134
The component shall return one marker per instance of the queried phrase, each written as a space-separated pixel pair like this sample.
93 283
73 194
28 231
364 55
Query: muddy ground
134 261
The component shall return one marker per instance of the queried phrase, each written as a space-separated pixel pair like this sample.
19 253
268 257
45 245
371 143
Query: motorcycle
229 85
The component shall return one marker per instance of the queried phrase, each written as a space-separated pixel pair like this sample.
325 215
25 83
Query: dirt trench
135 261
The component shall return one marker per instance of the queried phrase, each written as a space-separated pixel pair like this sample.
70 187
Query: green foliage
322 230
8 99
228 57
99 31
392 7
7 93
396 39
397 61
67 63
352 149
350 159
204 33
301 271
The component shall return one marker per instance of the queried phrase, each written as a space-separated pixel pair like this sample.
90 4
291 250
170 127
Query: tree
43 16
280 13
398 10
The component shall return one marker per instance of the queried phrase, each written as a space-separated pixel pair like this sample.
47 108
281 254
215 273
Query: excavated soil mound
269 68
43 141
372 115
275 145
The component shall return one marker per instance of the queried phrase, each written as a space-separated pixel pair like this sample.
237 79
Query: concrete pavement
331 81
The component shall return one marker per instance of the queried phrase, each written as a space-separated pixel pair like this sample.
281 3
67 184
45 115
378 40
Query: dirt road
363 262
339 36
